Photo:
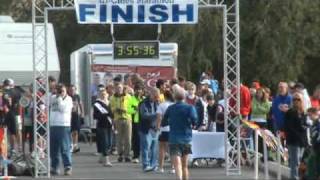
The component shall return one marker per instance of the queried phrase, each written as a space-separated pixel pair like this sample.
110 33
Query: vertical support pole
89 78
225 93
159 31
46 138
40 88
237 38
232 87
256 155
265 158
278 157
112 32
34 90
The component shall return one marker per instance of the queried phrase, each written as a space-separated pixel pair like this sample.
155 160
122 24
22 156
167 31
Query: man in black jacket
202 112
148 132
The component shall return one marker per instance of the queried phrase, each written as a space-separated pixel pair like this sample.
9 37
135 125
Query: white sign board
137 11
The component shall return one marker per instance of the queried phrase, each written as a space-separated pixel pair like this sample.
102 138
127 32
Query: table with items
207 145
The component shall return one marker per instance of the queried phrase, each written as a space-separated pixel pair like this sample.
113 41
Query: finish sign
137 11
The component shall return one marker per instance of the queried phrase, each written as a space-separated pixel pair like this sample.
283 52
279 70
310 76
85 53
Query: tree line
279 40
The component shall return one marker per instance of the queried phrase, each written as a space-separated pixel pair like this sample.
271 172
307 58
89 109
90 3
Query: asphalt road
86 166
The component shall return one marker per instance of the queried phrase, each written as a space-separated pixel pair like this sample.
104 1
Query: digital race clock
136 50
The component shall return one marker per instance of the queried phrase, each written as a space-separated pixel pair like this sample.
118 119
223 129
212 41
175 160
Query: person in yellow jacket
119 104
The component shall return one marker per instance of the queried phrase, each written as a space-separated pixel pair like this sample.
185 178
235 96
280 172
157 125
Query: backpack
22 165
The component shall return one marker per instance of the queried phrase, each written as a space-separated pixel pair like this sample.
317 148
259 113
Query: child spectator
191 97
212 111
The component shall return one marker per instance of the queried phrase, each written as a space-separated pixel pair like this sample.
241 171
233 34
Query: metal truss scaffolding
40 10
231 43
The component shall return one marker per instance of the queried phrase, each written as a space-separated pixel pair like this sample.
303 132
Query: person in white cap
206 85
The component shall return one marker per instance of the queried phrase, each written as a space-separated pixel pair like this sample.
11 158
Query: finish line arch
231 43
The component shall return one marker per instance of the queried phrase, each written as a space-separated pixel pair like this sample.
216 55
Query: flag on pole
251 125
268 137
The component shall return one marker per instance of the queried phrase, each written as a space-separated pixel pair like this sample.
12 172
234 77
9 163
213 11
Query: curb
273 170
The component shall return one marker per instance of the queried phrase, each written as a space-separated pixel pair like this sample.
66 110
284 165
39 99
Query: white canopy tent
16 53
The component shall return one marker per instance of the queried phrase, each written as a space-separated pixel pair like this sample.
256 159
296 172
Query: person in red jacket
315 99
245 108
245 101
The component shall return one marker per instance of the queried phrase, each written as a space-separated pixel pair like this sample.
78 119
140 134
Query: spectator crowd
148 125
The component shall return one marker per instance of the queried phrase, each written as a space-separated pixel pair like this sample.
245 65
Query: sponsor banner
104 74
152 74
